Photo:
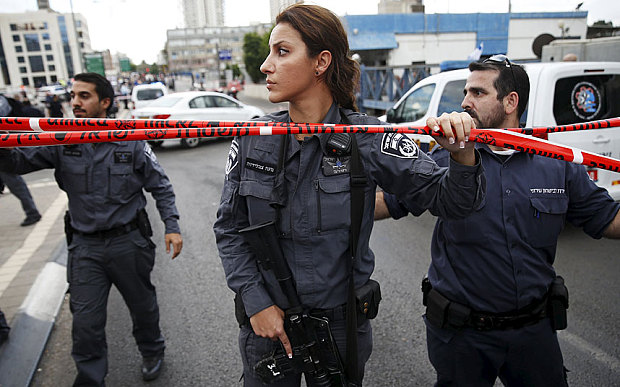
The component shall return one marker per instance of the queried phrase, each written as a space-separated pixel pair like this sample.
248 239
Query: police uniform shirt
315 192
103 182
499 259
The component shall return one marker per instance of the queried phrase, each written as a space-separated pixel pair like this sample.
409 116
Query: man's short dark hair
505 83
103 87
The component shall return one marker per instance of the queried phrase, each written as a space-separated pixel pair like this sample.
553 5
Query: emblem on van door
586 100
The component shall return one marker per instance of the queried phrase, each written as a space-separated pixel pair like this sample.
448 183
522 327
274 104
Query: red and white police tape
54 131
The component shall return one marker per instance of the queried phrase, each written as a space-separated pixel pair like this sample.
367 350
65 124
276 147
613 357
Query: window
39 81
414 107
19 49
32 42
36 63
148 94
13 27
223 102
20 59
585 98
49 57
16 38
45 36
23 70
82 44
78 23
53 78
48 47
51 68
25 81
80 34
201 103
451 98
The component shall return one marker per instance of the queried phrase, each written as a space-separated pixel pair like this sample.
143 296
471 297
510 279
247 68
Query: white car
554 92
197 105
142 95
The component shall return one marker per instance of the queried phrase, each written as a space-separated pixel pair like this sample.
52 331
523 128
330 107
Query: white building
41 47
203 13
400 6
276 6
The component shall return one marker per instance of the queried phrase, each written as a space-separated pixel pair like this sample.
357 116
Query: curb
33 323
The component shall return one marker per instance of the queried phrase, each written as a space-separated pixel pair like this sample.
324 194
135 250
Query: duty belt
445 313
110 233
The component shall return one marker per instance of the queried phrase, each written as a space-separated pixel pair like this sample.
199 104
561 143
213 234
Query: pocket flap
335 185
550 205
256 189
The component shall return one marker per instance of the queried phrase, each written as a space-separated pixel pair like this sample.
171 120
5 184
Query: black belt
333 314
112 232
488 322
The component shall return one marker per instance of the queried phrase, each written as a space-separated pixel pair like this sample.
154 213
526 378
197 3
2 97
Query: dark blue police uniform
500 260
104 184
315 219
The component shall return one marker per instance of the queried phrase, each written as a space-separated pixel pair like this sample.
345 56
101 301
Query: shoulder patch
149 152
233 157
399 145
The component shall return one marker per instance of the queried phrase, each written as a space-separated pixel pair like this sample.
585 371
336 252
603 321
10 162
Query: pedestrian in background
304 185
55 107
108 231
10 107
493 299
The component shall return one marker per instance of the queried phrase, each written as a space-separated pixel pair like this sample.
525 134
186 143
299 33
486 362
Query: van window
416 105
451 98
148 94
586 98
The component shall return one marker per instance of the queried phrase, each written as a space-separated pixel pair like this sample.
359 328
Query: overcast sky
138 28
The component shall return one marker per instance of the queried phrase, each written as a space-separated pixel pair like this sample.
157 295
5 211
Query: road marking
34 240
597 353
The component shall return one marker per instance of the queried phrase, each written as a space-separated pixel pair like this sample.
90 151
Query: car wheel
190 142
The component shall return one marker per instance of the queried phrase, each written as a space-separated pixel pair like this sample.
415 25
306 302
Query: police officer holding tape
308 200
108 232
493 299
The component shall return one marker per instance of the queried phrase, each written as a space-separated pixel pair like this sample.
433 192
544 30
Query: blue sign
225 54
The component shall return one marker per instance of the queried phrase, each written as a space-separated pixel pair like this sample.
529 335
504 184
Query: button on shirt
500 258
316 214
103 182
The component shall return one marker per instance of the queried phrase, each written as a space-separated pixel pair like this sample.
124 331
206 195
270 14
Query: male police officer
493 299
108 231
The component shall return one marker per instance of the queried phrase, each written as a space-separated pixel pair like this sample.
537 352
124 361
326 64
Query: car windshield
147 94
165 102
415 105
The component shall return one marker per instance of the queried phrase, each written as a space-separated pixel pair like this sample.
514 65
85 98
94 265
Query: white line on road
10 269
597 353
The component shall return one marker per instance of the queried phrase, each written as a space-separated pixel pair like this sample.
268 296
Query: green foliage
235 69
255 50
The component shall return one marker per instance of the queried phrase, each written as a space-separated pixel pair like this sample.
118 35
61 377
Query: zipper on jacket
318 206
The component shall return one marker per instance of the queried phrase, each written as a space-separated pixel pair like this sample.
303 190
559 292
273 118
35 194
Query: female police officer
303 183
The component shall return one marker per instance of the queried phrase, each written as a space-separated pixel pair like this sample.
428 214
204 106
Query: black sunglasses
503 60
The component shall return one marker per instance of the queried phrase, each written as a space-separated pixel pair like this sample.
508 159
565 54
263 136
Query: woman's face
290 72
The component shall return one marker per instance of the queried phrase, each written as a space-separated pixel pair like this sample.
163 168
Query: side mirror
392 117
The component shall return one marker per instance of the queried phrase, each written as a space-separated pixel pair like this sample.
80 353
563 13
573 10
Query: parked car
142 95
555 89
196 105
44 91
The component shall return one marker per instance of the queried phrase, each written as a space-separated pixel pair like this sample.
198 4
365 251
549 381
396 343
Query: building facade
276 6
416 38
400 6
41 47
200 51
203 13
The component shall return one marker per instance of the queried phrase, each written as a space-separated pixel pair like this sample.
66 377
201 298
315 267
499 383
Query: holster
557 304
368 298
144 225
68 228
242 318
442 312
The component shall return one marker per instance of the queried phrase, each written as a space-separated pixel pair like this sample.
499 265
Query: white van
554 91
142 95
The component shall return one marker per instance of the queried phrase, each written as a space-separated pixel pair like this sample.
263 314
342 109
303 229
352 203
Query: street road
197 309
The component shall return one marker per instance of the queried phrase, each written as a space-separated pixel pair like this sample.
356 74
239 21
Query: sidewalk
32 275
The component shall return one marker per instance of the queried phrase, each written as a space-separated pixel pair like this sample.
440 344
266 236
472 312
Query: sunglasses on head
503 60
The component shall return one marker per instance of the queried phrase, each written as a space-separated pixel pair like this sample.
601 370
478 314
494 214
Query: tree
255 50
